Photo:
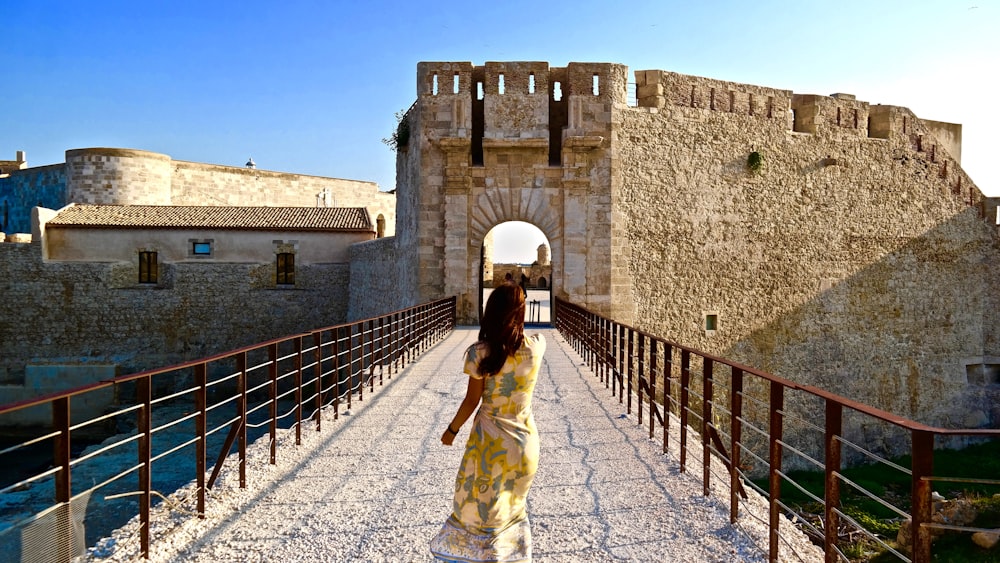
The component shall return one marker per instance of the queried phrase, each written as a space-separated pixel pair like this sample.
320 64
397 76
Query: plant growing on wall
401 136
755 161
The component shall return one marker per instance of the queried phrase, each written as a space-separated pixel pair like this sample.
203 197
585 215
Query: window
286 268
380 226
201 249
147 267
711 322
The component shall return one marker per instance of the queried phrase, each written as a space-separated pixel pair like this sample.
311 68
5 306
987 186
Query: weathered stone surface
986 540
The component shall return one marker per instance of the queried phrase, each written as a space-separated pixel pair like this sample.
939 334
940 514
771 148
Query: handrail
316 371
667 374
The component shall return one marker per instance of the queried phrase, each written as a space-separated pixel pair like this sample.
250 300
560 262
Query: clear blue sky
311 87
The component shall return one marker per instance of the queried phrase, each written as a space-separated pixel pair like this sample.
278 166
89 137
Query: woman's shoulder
476 350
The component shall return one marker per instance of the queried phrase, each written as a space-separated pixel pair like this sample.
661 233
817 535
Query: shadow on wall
911 334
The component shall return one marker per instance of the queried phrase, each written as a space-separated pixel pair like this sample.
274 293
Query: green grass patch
981 461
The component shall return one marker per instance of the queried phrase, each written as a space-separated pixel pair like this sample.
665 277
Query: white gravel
376 485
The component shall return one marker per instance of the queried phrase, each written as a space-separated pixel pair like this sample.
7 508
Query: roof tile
214 217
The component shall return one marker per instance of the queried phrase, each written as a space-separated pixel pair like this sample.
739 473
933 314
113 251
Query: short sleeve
472 357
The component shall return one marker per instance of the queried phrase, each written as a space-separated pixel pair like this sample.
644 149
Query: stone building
822 238
538 273
136 261
112 176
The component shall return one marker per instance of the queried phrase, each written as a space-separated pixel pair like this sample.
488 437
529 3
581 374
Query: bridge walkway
376 484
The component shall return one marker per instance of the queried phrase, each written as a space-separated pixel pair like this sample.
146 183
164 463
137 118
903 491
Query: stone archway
476 157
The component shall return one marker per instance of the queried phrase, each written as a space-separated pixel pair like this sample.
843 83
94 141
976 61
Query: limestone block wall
193 183
857 259
117 176
136 177
539 150
376 274
43 186
74 313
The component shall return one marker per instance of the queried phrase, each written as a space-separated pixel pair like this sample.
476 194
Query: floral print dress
489 520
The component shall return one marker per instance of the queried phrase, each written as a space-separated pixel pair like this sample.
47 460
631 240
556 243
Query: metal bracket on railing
224 453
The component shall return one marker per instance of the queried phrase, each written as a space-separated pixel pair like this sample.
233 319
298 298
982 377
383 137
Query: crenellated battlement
659 88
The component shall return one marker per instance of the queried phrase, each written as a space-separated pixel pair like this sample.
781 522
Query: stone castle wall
93 313
376 268
43 186
854 260
135 177
858 258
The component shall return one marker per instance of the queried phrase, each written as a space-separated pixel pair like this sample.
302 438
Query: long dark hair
502 327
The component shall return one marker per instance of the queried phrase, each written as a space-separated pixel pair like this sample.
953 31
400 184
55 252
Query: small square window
711 322
147 267
286 268
201 248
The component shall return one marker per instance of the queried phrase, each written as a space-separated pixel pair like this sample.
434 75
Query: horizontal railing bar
174 449
110 480
32 479
88 422
874 456
173 423
99 451
870 495
173 395
802 454
41 438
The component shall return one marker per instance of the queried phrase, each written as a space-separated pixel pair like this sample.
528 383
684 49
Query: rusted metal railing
769 421
309 376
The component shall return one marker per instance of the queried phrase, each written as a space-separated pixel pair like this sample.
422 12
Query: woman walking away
489 520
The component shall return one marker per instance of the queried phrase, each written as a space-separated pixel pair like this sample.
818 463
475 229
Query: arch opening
518 252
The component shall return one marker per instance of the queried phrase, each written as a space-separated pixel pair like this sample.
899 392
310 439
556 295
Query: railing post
336 374
622 350
653 347
318 370
381 349
371 356
629 372
922 450
61 455
834 422
298 390
272 372
361 372
735 442
706 423
201 429
144 397
683 407
774 468
641 375
241 407
668 372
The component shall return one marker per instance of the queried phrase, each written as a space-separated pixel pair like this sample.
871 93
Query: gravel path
376 484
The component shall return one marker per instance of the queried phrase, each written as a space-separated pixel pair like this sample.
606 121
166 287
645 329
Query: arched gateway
513 141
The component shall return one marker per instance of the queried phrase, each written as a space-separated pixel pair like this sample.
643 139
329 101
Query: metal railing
786 424
180 412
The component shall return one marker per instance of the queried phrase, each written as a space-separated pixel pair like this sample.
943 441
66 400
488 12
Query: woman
489 520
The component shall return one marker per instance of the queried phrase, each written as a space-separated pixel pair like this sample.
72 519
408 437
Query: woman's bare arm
473 395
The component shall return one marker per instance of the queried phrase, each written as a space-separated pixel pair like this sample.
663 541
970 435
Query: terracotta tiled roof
212 217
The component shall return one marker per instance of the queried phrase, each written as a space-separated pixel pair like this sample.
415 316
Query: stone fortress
538 273
819 237
830 241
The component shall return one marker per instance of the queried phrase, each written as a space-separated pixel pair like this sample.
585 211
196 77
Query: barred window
147 267
286 268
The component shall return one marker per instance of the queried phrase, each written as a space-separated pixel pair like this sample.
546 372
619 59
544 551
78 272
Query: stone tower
513 141
543 255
